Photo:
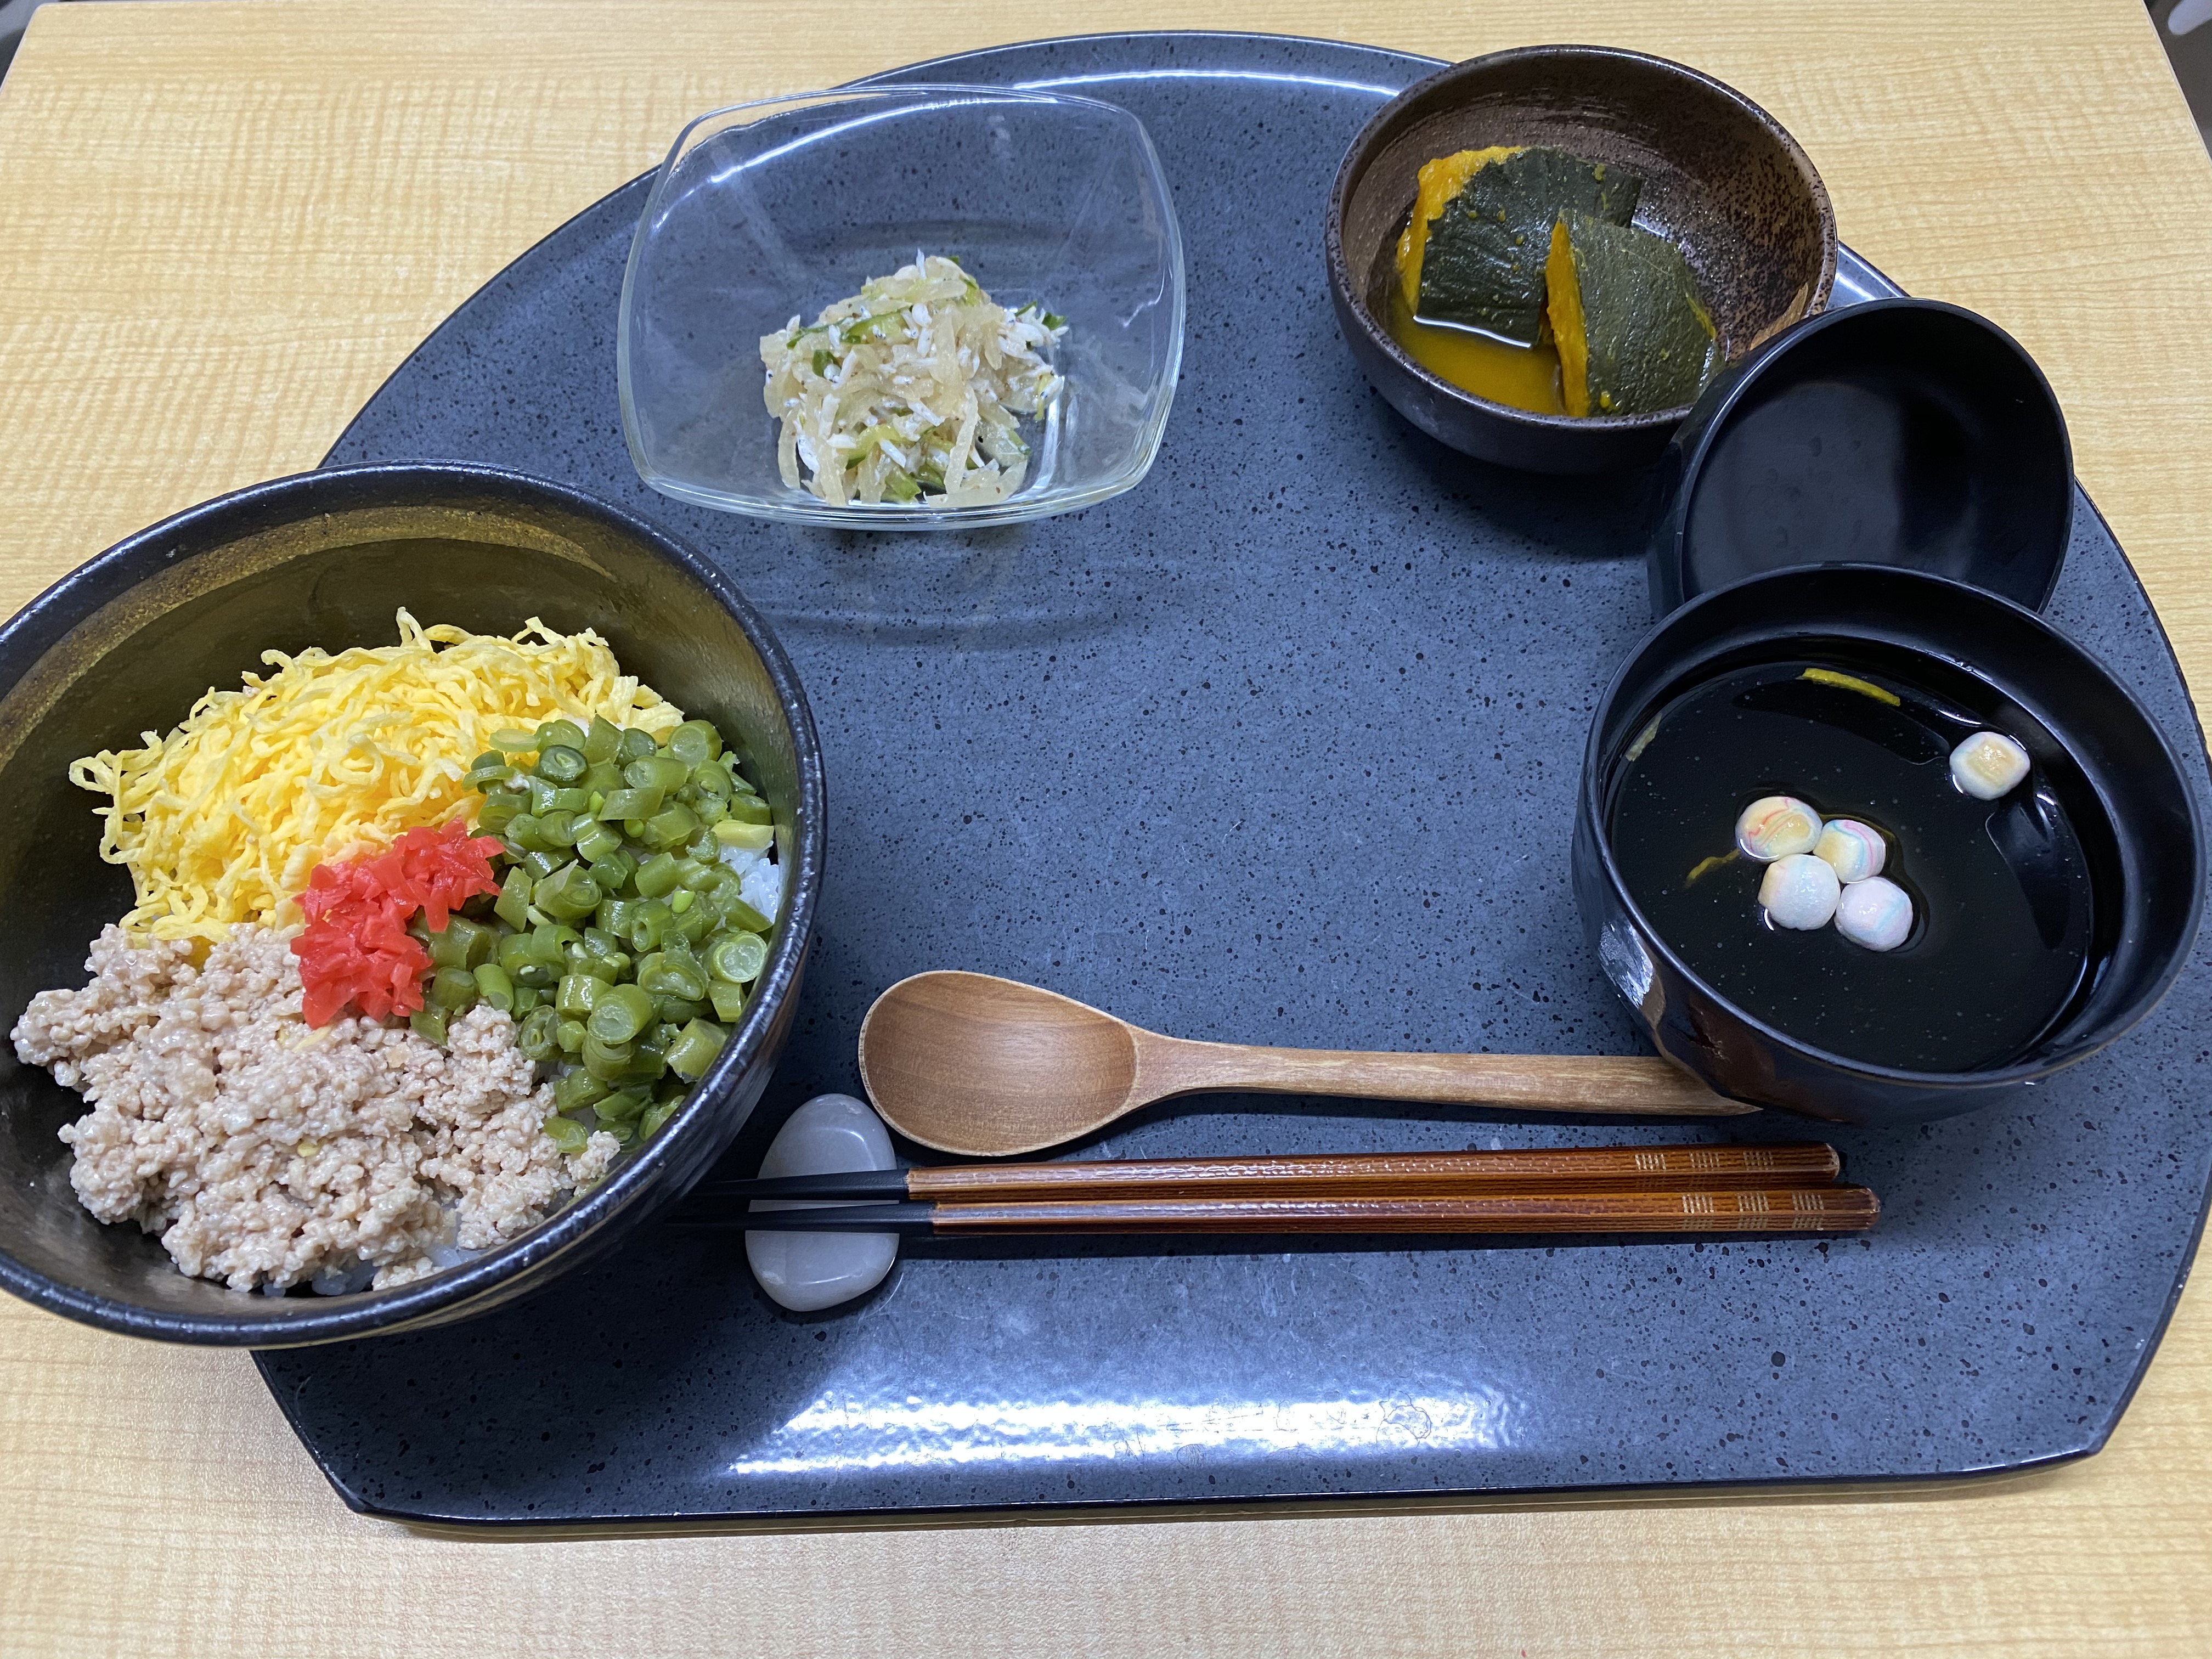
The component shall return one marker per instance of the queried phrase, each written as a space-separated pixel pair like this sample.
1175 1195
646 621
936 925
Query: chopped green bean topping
620 941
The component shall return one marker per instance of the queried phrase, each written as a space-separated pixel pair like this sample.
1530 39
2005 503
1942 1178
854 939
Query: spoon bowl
963 1054
987 1067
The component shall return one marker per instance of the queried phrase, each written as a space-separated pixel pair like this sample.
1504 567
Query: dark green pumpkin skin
1651 344
1484 264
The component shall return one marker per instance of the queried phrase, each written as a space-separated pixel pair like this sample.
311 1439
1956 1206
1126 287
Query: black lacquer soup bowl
2119 821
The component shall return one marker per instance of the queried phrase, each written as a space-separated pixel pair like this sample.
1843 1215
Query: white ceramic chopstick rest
805 1272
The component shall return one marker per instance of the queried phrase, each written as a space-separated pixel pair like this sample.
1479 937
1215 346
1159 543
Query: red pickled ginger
356 949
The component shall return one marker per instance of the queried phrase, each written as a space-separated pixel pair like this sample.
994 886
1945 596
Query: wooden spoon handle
1617 1085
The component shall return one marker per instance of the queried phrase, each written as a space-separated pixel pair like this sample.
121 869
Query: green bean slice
428 1023
623 1106
625 805
749 837
738 958
608 971
669 829
693 1052
568 1136
498 811
494 986
659 876
514 901
738 913
656 771
462 944
559 764
595 840
622 1013
512 741
609 1062
453 990
601 739
568 894
748 809
649 924
537 1036
620 866
540 864
672 973
647 1066
578 995
728 1001
559 735
694 742
577 1089
634 744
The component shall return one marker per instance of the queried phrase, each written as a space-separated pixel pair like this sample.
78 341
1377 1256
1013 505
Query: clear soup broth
2003 933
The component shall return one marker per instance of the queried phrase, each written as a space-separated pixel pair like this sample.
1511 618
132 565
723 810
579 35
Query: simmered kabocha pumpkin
1474 252
1633 336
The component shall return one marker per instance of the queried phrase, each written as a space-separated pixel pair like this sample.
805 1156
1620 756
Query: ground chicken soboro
265 1152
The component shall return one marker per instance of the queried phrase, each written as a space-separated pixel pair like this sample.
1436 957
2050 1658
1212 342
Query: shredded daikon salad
910 391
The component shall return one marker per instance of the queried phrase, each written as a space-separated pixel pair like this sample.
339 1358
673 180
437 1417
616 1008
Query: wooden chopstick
1438 1175
1703 1210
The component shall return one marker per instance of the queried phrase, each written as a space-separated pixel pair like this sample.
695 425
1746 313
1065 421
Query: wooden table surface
221 225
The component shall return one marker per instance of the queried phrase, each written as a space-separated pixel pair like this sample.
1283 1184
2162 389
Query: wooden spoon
986 1067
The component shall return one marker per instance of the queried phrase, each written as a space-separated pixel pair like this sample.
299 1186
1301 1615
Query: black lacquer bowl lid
1902 432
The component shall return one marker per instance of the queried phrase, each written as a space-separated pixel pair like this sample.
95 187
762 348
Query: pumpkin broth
1524 377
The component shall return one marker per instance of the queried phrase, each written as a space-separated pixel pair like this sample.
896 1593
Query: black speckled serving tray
1280 746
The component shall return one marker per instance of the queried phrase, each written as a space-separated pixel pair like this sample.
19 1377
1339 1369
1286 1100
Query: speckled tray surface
1280 746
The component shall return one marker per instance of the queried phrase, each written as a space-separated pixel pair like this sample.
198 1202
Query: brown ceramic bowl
1722 180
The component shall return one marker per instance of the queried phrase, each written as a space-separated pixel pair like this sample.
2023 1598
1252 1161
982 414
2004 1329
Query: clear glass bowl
771 211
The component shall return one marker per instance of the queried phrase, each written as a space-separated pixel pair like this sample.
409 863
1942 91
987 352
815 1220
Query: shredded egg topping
332 758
